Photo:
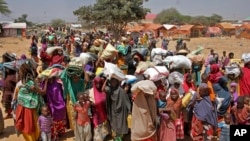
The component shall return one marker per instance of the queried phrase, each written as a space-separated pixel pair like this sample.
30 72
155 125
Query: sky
40 11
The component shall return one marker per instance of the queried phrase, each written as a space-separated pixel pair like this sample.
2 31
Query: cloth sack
175 77
178 62
143 66
232 69
146 86
158 51
50 50
113 71
109 52
246 57
197 59
156 73
85 58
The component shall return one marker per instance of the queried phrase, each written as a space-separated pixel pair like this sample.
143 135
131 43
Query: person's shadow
8 131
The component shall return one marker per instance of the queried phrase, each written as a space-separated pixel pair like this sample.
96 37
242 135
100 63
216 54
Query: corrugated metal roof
14 25
168 26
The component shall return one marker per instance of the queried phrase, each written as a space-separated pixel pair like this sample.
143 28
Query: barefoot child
45 122
82 117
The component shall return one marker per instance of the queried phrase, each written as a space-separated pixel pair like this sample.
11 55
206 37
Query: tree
23 19
4 8
114 14
57 23
173 16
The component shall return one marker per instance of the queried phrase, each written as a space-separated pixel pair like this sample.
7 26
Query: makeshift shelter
169 32
213 31
227 29
13 30
156 29
184 31
243 31
196 31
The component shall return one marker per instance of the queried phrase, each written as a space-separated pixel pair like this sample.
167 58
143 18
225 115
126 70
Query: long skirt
101 131
201 131
167 131
83 133
58 128
26 122
70 112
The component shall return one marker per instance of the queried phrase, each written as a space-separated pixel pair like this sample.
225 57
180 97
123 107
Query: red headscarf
186 85
215 73
100 114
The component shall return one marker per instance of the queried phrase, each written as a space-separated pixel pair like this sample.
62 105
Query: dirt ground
20 46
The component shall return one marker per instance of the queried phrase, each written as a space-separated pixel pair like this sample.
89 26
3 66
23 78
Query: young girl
225 127
234 93
82 117
45 122
174 105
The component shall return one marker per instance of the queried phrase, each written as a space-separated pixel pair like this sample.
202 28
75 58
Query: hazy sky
45 10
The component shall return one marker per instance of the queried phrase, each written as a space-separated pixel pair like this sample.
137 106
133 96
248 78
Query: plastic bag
112 71
109 52
156 73
178 62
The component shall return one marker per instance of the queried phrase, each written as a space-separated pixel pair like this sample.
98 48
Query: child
241 111
83 125
45 122
174 105
234 92
225 128
162 101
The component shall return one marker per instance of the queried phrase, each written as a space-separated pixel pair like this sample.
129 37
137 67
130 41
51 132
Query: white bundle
156 73
85 58
158 51
113 71
50 50
232 69
246 57
175 77
178 61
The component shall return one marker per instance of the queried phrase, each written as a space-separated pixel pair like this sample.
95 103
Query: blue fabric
197 73
161 104
222 92
203 110
225 131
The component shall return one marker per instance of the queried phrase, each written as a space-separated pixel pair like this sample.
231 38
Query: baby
225 127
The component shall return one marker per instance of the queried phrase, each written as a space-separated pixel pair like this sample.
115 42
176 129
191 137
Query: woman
215 73
144 112
132 64
45 58
98 98
244 80
29 101
57 106
9 83
188 83
220 88
204 122
57 57
73 83
118 107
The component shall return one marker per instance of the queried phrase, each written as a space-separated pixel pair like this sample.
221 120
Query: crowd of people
57 88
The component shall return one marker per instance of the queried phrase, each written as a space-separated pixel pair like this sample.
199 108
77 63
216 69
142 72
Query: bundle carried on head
109 52
74 71
113 71
178 62
246 58
233 69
